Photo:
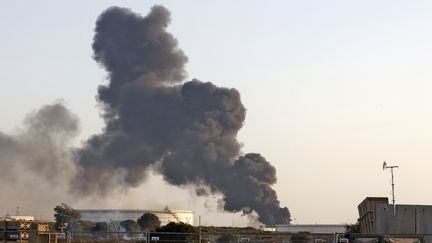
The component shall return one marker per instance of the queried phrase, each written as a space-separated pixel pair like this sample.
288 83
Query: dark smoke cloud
185 131
36 159
42 146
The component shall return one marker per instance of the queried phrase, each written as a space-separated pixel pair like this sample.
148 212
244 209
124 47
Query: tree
149 221
226 238
186 232
353 228
65 214
130 225
300 236
100 230
177 227
83 228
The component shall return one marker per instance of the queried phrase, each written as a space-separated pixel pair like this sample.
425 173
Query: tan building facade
366 211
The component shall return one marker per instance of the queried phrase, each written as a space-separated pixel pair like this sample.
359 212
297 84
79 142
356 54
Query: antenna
391 167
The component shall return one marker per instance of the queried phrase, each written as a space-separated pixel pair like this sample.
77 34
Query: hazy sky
332 88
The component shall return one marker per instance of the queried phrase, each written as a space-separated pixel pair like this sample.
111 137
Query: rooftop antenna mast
391 167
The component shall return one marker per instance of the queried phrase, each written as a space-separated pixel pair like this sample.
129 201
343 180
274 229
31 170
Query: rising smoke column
42 147
35 160
185 131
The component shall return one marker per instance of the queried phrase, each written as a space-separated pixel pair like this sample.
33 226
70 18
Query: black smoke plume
185 131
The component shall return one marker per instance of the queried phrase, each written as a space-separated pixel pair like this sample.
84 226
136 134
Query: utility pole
199 229
391 167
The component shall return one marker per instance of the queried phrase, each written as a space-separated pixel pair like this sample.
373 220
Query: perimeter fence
172 237
264 237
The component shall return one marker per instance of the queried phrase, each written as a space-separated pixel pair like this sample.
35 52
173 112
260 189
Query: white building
311 228
107 215
18 218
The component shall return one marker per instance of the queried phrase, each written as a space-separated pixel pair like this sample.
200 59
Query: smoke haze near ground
184 131
35 161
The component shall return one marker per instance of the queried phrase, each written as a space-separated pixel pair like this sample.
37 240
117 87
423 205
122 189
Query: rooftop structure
366 213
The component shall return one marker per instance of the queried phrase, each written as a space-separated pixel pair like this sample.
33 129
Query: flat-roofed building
107 215
311 228
18 218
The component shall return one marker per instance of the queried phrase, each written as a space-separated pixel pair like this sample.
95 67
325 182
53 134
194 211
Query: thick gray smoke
185 131
42 146
36 159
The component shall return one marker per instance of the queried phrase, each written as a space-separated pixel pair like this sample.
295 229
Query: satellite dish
384 165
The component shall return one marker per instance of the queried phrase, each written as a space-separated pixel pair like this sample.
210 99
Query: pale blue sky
332 88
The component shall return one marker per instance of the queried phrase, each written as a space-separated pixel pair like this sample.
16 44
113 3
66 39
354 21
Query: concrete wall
383 219
424 219
405 219
409 219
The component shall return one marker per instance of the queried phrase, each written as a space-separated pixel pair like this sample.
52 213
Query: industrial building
377 216
366 211
311 228
107 215
16 229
